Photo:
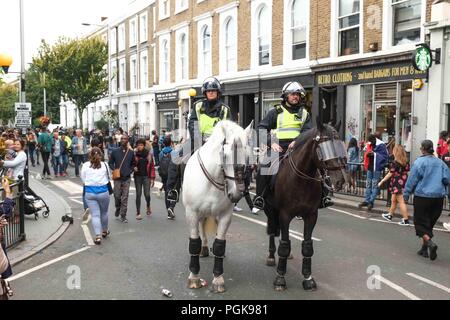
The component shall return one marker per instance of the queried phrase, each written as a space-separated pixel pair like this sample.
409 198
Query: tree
35 95
102 125
75 67
9 95
112 117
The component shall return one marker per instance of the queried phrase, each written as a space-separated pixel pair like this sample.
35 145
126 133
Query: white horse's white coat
202 199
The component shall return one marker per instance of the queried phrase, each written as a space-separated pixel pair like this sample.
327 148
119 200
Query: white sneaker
404 222
237 209
447 226
387 216
255 210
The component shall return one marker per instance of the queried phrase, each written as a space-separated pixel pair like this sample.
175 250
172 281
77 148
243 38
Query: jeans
57 163
156 155
142 182
121 192
85 205
78 159
45 157
65 160
99 204
373 177
31 151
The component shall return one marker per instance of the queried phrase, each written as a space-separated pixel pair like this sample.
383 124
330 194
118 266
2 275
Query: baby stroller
34 204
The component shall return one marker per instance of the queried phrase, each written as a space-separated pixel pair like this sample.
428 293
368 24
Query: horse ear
320 125
338 126
250 127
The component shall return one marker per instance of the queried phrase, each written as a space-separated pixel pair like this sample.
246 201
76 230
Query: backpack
164 163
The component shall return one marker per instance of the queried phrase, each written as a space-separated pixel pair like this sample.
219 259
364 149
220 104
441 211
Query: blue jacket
428 178
381 156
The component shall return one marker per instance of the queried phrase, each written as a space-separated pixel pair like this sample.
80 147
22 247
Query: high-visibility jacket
289 125
206 123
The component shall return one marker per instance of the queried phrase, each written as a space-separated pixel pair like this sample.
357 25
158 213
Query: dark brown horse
298 192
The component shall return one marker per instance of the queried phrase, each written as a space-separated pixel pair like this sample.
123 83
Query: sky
50 19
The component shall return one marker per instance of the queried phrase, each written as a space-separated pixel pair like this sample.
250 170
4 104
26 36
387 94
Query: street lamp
5 62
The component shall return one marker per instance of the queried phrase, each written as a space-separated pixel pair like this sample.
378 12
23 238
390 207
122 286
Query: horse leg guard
219 254
195 247
284 250
272 249
307 250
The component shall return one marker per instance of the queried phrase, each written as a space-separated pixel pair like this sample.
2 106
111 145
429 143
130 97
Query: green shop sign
422 58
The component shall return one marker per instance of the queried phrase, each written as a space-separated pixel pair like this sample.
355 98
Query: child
10 155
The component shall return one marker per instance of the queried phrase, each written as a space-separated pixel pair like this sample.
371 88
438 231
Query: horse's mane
301 140
225 129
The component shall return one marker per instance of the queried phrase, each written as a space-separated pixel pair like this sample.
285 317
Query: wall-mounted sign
166 96
369 74
417 84
422 59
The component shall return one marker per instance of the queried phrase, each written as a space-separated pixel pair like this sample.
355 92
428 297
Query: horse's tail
210 226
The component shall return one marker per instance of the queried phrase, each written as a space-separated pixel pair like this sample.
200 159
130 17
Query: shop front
242 98
386 99
168 111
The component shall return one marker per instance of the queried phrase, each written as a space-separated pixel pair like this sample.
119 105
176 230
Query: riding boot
262 184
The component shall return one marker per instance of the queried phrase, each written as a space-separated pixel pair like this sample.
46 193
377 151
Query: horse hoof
270 262
309 285
219 288
279 283
290 257
205 252
194 283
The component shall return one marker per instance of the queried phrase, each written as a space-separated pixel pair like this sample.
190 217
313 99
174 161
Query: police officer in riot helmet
284 123
205 114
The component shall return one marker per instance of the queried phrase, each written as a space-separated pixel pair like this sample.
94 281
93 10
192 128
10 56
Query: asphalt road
143 257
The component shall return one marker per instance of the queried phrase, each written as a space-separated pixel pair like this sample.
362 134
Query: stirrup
326 202
172 196
259 203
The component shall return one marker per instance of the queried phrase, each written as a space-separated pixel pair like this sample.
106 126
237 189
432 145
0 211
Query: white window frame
164 80
388 27
231 13
161 14
113 43
122 75
287 35
256 8
179 76
122 36
143 74
114 76
179 8
143 27
133 28
201 26
133 73
360 26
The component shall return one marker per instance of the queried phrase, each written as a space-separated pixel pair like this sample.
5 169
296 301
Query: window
263 35
143 28
407 18
230 45
299 18
206 51
183 57
165 62
136 112
144 71
114 77
164 9
349 22
133 34
122 75
113 44
121 37
181 5
133 73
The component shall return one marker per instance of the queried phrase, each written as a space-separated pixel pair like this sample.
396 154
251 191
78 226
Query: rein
298 172
218 185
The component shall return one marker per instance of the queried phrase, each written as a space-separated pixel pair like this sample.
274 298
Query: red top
442 148
369 148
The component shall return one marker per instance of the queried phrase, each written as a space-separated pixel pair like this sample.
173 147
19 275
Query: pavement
356 257
42 232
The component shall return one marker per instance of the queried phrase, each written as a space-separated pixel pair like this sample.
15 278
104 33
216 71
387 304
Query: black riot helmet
293 87
211 84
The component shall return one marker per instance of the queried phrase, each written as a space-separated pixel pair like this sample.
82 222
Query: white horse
213 182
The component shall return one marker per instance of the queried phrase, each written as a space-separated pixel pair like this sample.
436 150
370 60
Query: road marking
295 234
46 264
68 186
397 288
76 200
434 284
348 213
87 235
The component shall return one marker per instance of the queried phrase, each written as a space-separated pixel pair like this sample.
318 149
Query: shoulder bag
116 172
110 188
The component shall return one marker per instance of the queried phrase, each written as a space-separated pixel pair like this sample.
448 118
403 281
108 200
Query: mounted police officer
285 122
204 115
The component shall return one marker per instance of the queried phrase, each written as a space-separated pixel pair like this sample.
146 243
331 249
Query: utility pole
22 55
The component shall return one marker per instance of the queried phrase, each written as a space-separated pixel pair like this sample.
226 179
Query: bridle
327 149
238 172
